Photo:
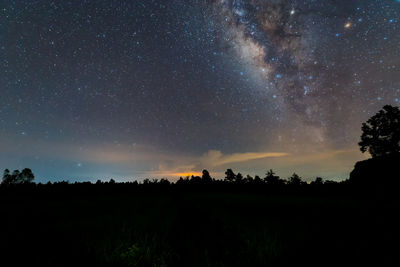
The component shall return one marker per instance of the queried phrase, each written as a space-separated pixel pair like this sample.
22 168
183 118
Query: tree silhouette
249 179
271 179
295 180
26 176
381 133
195 179
7 177
257 179
206 176
230 175
239 178
17 177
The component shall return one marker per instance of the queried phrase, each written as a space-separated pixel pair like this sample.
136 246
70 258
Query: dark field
192 228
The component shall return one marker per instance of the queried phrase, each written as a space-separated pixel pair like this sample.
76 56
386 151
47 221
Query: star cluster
93 89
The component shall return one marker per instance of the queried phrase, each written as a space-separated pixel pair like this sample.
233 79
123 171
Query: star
197 76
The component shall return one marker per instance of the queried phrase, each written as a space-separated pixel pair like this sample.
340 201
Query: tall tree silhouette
381 133
230 175
206 176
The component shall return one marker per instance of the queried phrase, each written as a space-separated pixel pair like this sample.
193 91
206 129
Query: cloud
216 158
212 159
333 164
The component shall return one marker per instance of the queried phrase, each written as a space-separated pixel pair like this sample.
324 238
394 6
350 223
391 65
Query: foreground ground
162 228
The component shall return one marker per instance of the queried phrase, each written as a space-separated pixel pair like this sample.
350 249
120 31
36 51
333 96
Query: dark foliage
318 181
381 133
17 177
272 179
230 176
206 177
295 180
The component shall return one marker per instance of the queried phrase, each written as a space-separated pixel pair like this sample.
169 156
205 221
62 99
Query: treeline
26 176
232 182
270 179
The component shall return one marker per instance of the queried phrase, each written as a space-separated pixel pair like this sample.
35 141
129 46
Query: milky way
100 89
287 43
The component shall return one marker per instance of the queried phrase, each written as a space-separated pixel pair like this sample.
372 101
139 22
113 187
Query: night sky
136 89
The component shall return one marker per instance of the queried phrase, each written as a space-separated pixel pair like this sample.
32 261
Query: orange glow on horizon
185 174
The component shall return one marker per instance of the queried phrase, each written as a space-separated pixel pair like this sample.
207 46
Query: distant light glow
186 174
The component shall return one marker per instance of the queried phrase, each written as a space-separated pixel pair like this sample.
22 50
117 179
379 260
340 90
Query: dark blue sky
134 89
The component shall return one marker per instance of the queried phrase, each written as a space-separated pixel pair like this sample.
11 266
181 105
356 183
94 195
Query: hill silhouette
377 172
